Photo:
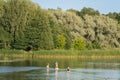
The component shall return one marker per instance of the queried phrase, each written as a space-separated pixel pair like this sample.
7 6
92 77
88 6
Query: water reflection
68 75
47 75
56 74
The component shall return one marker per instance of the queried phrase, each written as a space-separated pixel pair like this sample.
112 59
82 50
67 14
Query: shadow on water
80 69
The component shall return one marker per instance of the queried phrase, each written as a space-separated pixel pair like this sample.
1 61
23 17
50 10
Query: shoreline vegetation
27 26
103 53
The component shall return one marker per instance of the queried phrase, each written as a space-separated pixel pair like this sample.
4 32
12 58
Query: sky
103 6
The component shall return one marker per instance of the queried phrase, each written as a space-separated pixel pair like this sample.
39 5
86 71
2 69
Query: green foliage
23 24
39 34
17 15
79 44
115 16
4 38
101 29
71 53
1 8
45 36
60 42
89 45
88 11
96 45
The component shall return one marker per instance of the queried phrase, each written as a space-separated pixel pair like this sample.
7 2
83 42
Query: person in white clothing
47 67
56 66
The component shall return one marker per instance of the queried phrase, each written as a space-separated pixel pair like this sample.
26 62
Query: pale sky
103 6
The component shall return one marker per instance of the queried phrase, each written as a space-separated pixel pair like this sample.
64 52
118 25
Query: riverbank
111 53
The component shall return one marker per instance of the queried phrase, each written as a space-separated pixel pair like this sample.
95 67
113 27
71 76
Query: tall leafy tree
23 24
16 16
39 32
4 38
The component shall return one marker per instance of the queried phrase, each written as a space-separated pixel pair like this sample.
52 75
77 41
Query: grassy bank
111 53
114 52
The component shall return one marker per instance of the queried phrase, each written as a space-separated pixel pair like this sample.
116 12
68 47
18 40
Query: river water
80 69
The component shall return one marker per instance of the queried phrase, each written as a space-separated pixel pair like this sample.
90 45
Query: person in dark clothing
68 69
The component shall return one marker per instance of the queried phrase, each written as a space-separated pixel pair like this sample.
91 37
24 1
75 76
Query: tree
16 17
46 38
1 8
4 38
32 38
39 34
88 11
115 16
79 44
96 44
23 24
61 42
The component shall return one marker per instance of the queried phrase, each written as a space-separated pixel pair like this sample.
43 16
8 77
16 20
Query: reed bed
103 53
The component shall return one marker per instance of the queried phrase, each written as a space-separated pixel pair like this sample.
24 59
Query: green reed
102 52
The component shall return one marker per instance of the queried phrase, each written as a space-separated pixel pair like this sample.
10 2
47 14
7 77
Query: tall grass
11 51
110 52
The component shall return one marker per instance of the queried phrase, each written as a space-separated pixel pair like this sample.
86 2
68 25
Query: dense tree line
25 25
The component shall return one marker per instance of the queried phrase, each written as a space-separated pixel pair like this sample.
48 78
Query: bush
79 44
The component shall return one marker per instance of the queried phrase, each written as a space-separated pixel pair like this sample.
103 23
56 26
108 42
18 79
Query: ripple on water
40 73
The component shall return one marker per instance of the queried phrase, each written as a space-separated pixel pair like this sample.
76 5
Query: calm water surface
80 69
